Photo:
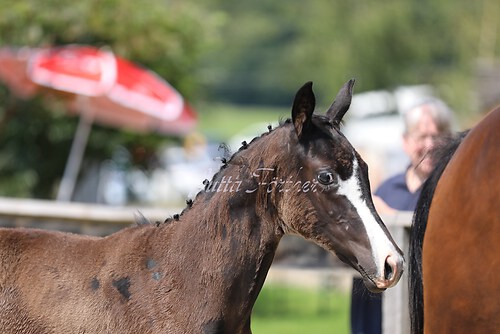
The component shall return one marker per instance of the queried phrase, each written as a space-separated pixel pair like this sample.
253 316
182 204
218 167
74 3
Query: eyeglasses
421 137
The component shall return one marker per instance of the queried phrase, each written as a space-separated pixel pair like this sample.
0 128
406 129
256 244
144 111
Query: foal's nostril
392 271
388 271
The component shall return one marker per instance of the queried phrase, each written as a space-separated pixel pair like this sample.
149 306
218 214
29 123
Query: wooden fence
102 220
75 217
395 310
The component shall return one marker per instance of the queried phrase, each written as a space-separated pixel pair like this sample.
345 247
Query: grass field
282 309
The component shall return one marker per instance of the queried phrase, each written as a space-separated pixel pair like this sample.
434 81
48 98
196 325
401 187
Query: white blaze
380 243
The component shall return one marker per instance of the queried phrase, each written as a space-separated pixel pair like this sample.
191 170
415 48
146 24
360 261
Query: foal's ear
342 102
303 107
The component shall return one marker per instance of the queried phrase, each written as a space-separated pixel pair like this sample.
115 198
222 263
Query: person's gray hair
438 110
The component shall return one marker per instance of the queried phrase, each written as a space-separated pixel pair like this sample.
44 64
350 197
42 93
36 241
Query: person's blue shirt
396 194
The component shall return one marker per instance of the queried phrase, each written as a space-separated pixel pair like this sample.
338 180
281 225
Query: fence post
395 311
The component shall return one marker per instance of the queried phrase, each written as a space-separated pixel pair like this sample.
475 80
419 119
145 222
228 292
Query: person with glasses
423 125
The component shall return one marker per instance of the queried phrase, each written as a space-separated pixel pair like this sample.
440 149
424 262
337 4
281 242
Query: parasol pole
70 176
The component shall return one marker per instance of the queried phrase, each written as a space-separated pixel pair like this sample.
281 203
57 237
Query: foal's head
325 192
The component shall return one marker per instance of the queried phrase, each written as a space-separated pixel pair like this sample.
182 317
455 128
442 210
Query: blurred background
238 64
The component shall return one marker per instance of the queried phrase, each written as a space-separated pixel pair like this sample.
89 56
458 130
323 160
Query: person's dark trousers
366 309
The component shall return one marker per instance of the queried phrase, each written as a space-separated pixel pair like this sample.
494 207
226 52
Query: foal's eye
326 178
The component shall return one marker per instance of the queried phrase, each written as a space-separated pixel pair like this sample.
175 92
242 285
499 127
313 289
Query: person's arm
382 207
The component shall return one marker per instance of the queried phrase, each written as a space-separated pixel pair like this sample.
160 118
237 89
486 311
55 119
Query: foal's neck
236 209
241 194
232 229
221 248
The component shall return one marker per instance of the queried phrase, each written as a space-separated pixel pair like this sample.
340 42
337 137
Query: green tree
35 136
271 47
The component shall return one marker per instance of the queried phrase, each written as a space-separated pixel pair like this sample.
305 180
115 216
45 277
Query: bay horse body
455 245
201 271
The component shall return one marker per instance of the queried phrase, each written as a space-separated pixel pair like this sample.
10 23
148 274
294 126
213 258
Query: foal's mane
226 159
441 156
320 121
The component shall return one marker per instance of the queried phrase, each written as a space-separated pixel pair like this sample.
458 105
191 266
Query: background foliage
166 36
240 52
274 47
